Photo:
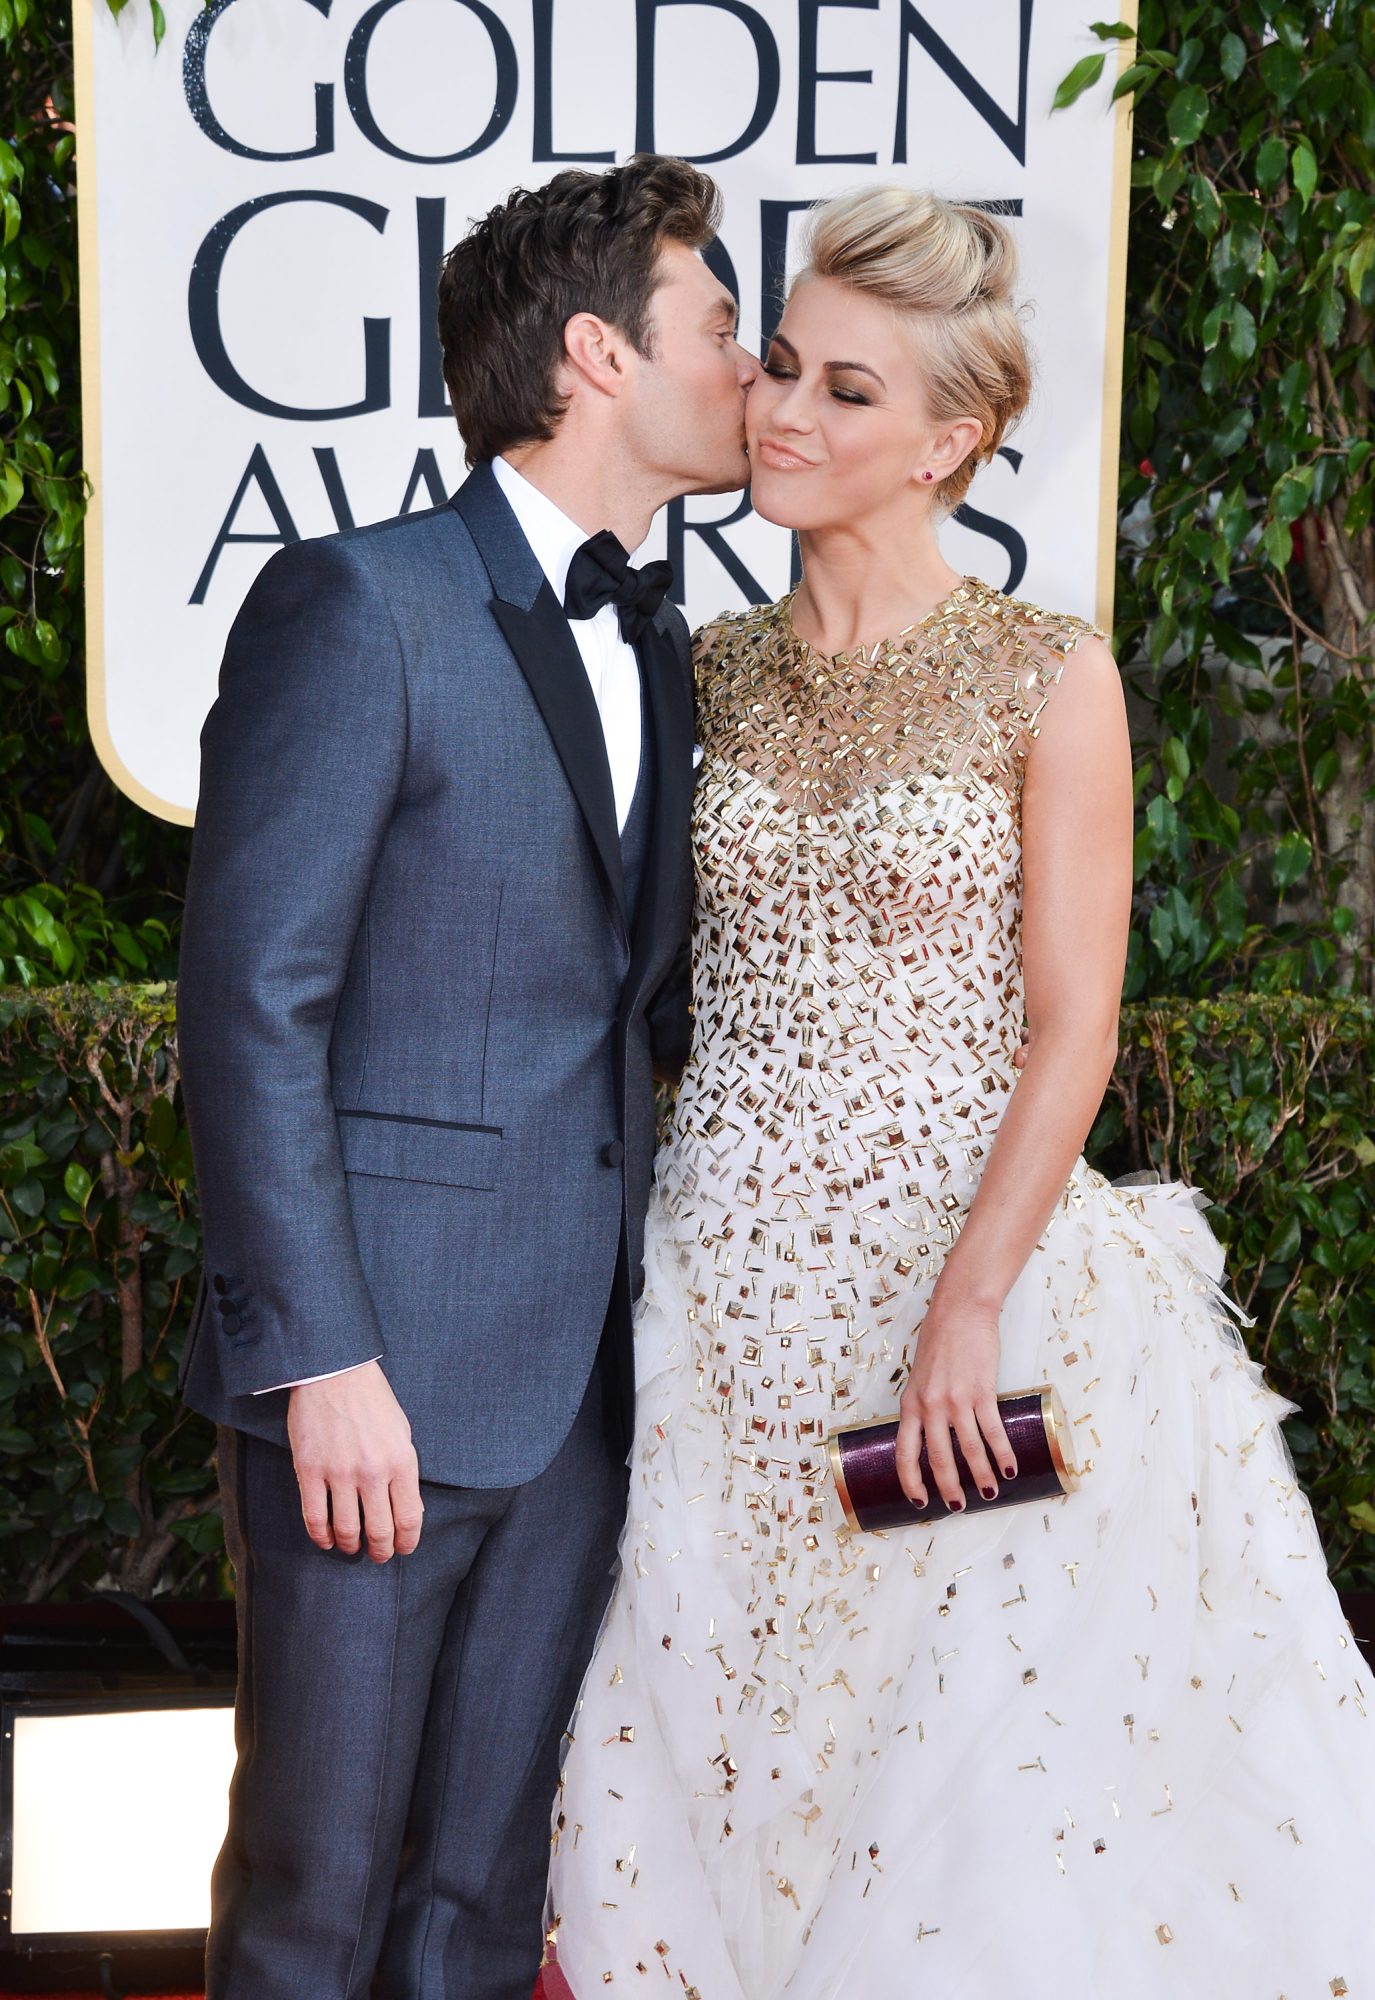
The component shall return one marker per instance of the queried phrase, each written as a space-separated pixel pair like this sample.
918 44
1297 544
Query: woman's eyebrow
837 367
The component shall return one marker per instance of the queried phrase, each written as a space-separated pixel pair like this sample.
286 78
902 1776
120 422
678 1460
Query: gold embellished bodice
857 827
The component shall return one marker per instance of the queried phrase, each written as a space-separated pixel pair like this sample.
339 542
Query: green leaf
1325 769
1285 1239
1359 268
123 1518
1207 207
159 23
1294 384
28 1197
1278 544
1133 78
1161 929
1082 77
1242 338
1232 56
1291 497
1187 115
77 1182
203 1532
1113 31
161 1126
1304 171
1293 857
1280 70
1234 432
1271 160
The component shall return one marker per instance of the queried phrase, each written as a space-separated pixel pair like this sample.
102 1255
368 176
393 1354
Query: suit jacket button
613 1153
220 1285
230 1323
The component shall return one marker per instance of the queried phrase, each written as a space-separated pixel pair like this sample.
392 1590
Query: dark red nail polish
989 1492
1009 1472
956 1506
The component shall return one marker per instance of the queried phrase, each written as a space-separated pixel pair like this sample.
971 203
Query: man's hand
352 1448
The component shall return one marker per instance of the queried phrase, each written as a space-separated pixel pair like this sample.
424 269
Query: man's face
687 414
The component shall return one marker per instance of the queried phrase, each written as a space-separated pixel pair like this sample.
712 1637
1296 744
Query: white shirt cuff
328 1376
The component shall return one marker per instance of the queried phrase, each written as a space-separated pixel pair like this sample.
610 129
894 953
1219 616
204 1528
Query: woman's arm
1076 860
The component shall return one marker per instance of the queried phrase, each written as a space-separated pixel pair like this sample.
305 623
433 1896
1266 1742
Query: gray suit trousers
398 1744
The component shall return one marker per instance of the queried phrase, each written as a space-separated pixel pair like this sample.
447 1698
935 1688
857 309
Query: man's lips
782 458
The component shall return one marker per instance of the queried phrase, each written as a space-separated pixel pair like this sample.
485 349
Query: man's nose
747 365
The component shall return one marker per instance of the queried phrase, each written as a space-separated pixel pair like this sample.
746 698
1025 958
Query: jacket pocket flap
410 1149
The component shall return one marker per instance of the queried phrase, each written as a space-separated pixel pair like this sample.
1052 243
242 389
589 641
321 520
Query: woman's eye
851 396
779 373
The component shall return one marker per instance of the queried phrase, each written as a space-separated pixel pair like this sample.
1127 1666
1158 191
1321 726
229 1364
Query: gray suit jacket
417 1029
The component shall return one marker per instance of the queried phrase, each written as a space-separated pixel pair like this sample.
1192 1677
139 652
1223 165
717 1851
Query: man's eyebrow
725 307
833 367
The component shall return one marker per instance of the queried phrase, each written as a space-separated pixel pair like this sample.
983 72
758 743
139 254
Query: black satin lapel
669 699
508 558
553 666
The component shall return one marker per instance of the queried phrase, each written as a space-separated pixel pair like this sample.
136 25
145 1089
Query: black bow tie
601 573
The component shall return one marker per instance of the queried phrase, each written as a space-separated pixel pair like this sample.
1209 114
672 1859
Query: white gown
1113 1747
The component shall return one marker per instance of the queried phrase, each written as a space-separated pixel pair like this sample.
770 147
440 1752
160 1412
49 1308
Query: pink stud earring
926 475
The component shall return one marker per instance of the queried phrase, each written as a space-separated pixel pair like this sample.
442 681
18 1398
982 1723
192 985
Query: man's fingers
975 1457
377 1520
941 1459
352 1449
343 1501
909 1460
315 1509
996 1438
407 1510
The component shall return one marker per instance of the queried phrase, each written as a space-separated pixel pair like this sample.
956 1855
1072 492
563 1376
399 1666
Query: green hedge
1267 1103
102 1475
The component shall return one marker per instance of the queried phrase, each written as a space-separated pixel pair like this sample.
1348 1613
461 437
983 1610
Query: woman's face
837 423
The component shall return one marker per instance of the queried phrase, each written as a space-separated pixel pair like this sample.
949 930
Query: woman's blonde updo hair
951 268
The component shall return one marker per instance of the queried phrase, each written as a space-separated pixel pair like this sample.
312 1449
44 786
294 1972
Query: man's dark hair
583 243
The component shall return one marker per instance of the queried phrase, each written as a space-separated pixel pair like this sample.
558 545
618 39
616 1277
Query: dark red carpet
551 1986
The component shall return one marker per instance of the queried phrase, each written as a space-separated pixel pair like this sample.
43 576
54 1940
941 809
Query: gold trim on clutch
838 1475
1058 1438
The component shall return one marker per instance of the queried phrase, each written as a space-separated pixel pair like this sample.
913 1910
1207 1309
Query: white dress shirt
610 660
611 665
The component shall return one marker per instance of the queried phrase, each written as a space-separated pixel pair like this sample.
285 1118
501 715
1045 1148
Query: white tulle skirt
1117 1747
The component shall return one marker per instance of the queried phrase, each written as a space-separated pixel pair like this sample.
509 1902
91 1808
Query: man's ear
593 351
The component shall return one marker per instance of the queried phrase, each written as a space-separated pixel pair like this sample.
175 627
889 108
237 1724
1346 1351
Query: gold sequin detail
858 1004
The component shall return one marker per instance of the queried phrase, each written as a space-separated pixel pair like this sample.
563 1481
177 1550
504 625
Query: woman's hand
953 1386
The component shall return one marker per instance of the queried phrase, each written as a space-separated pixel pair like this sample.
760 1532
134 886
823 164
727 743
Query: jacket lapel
533 624
668 697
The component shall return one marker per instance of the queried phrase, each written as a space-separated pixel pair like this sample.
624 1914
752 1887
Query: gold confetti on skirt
1023 1752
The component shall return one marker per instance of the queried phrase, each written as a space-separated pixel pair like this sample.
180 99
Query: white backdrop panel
258 347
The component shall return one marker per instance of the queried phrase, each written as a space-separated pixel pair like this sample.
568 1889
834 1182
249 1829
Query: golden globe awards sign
265 200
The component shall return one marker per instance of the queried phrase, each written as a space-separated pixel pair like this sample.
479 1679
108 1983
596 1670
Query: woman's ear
952 447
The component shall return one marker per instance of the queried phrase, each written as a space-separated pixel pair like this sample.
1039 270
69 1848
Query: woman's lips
781 458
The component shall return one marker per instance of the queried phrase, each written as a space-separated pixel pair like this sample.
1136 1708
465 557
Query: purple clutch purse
865 1468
